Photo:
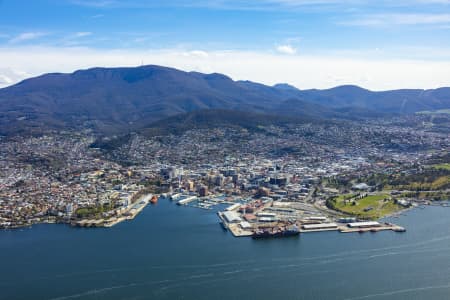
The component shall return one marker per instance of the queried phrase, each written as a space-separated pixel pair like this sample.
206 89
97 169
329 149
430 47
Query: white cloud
82 34
259 4
10 76
398 19
312 2
286 49
303 71
96 3
26 36
197 54
434 1
5 80
75 39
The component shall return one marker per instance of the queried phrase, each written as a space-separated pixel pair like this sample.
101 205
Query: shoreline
128 214
112 222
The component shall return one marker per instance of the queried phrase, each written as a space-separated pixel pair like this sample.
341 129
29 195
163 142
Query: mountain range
115 100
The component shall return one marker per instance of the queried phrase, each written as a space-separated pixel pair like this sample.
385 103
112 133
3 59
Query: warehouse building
363 224
232 217
319 226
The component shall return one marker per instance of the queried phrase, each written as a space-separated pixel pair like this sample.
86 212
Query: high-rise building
203 191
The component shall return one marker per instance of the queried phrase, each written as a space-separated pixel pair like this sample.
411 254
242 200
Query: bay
172 252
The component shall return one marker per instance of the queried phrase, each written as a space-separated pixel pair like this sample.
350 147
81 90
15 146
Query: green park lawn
381 205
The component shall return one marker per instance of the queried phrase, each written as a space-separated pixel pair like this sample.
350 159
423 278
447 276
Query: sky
376 44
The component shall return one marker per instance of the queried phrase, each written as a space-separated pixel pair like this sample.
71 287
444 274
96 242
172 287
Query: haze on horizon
306 43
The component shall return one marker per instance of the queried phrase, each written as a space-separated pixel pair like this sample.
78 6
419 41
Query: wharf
187 200
90 223
136 209
237 231
318 230
345 229
396 228
113 221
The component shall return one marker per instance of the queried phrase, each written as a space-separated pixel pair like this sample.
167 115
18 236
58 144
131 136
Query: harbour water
173 252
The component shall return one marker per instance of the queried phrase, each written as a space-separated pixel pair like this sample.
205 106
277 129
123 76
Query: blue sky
377 44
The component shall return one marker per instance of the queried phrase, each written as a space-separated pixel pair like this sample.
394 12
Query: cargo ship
276 232
222 221
224 226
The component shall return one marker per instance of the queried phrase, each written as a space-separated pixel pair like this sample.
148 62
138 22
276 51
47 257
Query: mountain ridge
110 100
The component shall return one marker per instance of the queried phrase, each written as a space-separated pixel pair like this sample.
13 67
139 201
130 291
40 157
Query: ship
224 226
399 229
154 199
276 232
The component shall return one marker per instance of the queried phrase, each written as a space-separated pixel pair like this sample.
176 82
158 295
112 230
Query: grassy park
365 206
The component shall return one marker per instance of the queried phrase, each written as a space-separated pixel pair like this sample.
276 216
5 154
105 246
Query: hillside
117 100
108 100
404 101
215 118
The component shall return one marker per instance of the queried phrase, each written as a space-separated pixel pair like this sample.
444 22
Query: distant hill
114 100
215 118
404 101
207 119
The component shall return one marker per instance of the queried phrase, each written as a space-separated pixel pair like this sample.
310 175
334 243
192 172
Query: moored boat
224 226
154 199
399 229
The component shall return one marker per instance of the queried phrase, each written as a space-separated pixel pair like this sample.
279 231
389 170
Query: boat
399 229
222 221
154 199
264 233
224 226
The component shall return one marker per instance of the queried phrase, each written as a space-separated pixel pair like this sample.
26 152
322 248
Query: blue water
172 252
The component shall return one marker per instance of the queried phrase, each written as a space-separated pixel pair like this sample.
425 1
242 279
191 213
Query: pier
187 200
231 221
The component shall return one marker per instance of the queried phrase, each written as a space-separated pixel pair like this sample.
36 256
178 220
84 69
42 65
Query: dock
237 231
396 228
138 207
187 200
113 221
90 223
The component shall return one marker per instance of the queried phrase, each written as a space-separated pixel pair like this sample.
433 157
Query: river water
172 252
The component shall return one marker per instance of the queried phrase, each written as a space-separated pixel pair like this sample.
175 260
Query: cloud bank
302 71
